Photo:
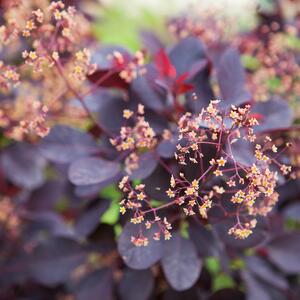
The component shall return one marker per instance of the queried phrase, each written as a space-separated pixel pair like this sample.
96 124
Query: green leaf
237 264
156 203
111 216
212 264
222 281
293 42
250 62
184 229
117 230
274 83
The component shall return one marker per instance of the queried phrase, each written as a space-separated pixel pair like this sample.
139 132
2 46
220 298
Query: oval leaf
139 258
181 263
136 285
284 252
23 165
92 170
64 144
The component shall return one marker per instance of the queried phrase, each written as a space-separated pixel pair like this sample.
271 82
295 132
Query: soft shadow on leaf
136 285
91 170
284 252
139 258
23 165
64 144
95 285
181 263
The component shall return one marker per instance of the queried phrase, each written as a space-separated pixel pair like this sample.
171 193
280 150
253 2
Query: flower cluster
51 58
134 139
224 182
136 201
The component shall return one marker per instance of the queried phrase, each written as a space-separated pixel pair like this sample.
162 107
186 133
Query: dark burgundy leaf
147 165
231 78
164 65
64 144
102 56
151 41
189 56
157 184
90 191
87 191
276 114
52 262
204 240
242 152
255 289
181 263
292 211
47 222
91 170
107 74
148 92
23 165
136 285
258 236
96 285
167 148
261 269
46 196
228 294
186 53
89 220
112 106
191 294
108 79
139 258
284 252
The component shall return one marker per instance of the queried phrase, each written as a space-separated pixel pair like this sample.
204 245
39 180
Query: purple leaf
47 222
255 289
46 196
204 240
147 165
186 53
53 261
228 294
136 285
139 258
292 211
89 220
91 170
112 106
181 263
191 294
147 91
167 148
95 285
284 252
276 114
23 165
151 41
231 78
242 152
101 56
65 144
258 236
261 269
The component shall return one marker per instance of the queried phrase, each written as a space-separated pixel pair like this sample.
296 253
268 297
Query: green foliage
250 62
274 83
118 27
111 216
220 280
